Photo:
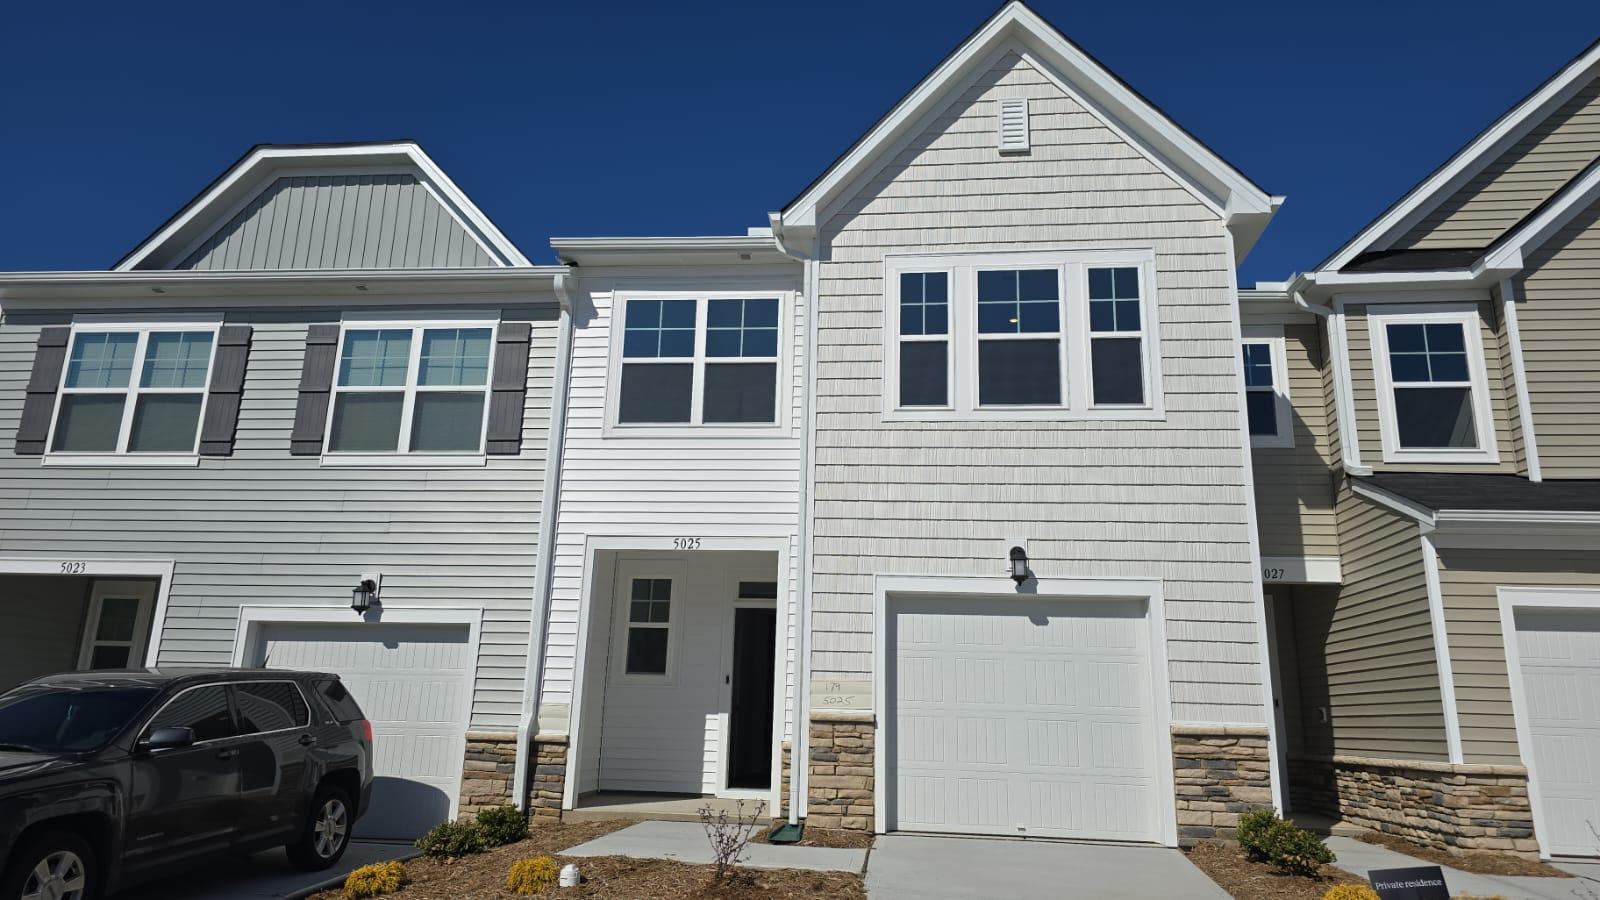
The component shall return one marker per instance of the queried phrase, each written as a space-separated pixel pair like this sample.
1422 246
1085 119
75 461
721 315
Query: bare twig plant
728 837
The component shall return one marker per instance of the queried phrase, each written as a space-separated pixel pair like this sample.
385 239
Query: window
1268 414
116 625
1434 404
134 390
649 621
411 390
339 701
1027 335
53 719
270 706
204 709
708 360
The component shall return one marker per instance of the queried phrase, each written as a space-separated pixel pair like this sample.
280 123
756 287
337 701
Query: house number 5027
686 543
74 568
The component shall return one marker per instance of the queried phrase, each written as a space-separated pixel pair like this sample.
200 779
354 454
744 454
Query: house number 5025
686 543
74 568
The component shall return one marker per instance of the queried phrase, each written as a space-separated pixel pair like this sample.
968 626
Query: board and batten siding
1377 672
1364 385
1148 499
264 528
1525 175
1468 580
342 222
1558 317
664 487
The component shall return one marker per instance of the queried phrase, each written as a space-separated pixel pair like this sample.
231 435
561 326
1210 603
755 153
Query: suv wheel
54 866
326 833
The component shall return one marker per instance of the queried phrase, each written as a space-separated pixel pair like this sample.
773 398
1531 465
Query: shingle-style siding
1164 499
1366 651
1294 485
1559 319
266 528
1364 386
342 222
1468 579
1528 173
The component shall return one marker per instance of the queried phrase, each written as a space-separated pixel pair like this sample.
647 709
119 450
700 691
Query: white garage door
414 682
1560 654
1026 718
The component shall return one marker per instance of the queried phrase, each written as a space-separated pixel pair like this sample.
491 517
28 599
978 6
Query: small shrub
1296 851
530 876
374 880
1350 892
453 840
728 837
503 825
1253 828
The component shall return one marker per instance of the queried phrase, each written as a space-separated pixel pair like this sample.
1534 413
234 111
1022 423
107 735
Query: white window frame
1379 317
402 456
121 456
892 322
144 592
1076 372
1271 336
696 426
627 572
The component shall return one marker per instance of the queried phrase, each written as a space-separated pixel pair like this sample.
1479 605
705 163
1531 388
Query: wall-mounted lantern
1019 564
364 594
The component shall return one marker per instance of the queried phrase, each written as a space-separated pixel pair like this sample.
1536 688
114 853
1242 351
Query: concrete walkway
265 876
686 842
903 867
1360 857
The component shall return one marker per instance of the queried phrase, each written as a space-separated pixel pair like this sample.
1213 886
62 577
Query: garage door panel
1560 661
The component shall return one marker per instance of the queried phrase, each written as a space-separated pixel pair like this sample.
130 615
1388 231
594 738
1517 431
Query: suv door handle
227 754
307 740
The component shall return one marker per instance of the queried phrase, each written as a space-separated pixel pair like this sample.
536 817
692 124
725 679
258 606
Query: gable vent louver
1014 126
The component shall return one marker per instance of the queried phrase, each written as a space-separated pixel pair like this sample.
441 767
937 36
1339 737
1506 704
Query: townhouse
969 495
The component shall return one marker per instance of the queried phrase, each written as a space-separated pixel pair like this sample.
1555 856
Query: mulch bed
839 838
1245 879
484 875
1479 862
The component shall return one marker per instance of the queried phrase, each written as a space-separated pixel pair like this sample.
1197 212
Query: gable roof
1017 28
266 185
1478 153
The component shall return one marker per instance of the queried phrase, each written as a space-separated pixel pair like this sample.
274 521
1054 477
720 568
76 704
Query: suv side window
203 709
270 706
339 702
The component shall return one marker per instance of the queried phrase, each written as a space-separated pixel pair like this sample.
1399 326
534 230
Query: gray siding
1559 320
43 618
342 222
1523 177
1294 490
1163 499
264 528
1468 580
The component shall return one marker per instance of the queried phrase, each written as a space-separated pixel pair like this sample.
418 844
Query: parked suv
108 778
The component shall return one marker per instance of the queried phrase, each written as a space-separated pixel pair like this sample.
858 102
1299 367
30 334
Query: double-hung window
1268 414
404 389
1021 336
137 391
1433 394
709 360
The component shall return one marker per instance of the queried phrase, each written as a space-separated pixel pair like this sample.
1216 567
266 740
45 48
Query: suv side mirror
167 739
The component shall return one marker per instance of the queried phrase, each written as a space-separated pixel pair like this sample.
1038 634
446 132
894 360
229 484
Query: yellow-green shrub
530 876
375 880
1350 892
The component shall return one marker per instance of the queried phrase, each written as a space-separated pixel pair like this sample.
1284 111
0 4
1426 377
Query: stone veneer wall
840 783
783 782
488 770
1458 808
549 779
1218 773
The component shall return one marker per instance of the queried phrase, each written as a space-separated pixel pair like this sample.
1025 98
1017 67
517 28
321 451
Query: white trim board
1441 650
1519 371
1301 570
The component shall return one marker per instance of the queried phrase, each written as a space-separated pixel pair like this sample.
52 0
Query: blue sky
602 118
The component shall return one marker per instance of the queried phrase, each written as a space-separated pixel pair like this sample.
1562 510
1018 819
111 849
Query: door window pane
101 360
270 706
1019 373
117 618
1118 368
176 359
454 356
740 392
165 423
656 392
1435 418
377 358
447 422
109 656
89 422
366 423
924 378
203 709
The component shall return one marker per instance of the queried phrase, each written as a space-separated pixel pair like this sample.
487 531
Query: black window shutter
227 389
33 432
509 390
316 386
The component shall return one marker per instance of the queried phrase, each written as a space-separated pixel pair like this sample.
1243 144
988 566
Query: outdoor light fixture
364 594
1019 565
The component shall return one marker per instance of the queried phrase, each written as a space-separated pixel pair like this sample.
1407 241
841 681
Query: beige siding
1508 378
1559 320
1294 487
1468 580
1163 499
1366 651
1364 384
1330 400
1523 177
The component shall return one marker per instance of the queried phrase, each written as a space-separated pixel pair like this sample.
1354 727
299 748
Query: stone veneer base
1218 772
839 786
549 781
1458 808
488 771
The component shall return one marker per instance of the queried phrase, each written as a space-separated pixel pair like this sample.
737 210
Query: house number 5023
686 543
74 568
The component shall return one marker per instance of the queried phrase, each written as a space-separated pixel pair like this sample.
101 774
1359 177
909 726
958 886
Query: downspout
565 287
1339 359
799 745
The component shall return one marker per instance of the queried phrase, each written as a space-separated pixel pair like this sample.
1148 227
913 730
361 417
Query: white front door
1560 658
1022 717
414 682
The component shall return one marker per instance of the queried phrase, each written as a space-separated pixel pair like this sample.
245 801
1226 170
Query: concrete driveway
265 876
902 867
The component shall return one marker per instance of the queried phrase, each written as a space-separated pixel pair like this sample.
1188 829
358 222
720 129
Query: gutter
1343 391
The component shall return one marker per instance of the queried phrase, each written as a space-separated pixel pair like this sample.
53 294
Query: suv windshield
57 719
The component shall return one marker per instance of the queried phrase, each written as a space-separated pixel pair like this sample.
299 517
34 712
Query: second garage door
414 682
1022 717
1560 653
